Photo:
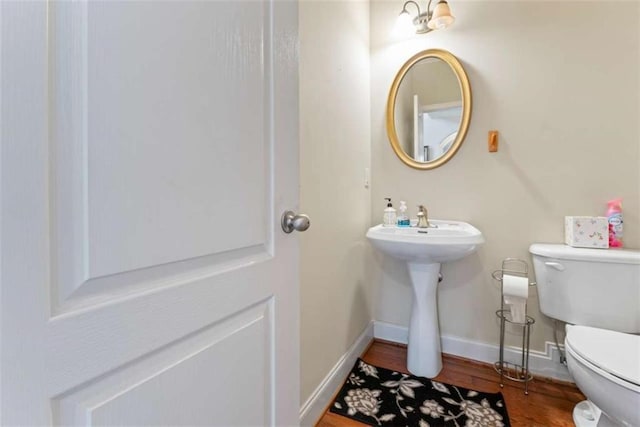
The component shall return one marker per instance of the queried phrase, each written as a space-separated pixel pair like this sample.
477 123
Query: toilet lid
614 352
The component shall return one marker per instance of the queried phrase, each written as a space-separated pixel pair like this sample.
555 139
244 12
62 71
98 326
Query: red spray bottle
614 215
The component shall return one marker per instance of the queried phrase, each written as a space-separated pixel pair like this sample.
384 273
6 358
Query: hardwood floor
549 403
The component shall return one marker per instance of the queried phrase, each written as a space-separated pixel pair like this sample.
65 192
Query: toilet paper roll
515 291
515 286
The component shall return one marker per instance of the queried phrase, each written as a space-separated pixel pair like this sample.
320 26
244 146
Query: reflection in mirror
429 109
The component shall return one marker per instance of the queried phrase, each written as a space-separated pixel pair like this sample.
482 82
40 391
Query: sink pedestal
423 351
423 249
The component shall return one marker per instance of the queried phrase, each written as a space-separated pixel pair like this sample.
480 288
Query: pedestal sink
424 249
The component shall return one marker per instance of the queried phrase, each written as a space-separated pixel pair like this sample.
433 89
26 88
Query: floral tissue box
586 231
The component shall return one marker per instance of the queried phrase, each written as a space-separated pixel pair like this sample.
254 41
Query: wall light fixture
438 18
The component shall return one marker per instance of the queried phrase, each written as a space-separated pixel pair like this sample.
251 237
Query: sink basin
444 242
424 249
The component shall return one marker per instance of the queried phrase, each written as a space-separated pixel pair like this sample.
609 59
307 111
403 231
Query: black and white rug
378 396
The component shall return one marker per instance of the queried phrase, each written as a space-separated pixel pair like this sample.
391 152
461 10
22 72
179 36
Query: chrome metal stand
513 371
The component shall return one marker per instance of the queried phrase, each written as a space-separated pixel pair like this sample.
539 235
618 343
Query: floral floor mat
378 396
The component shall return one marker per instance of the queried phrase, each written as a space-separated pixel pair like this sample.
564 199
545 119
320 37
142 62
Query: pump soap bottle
403 218
389 217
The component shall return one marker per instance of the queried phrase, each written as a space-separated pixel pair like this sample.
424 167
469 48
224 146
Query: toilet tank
591 287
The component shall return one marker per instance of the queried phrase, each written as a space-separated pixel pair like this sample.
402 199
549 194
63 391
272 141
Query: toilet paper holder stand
518 372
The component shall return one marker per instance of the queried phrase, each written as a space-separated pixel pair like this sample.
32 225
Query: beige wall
560 81
335 144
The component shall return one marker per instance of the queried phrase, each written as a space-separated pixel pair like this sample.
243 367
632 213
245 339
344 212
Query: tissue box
586 231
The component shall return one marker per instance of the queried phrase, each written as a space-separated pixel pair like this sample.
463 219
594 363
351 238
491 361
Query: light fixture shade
441 17
404 25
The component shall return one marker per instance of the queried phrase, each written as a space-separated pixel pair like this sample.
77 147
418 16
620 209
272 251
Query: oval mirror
428 109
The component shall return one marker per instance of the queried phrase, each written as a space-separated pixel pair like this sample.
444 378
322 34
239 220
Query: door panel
137 142
175 160
144 392
145 163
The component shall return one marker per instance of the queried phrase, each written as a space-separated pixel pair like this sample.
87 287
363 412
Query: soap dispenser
389 217
403 218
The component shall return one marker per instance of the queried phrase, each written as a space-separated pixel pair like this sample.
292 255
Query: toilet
597 293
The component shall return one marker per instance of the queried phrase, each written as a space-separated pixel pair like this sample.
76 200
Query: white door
148 150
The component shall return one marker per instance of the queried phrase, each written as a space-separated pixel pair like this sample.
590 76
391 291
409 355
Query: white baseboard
390 332
315 405
544 364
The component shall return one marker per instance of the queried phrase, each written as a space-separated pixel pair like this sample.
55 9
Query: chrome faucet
423 220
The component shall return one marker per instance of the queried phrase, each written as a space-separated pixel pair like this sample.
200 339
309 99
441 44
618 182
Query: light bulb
440 23
404 25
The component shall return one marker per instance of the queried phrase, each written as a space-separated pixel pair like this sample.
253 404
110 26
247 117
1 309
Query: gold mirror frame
465 90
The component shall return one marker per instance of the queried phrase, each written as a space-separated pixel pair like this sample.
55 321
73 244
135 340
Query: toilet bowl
598 291
606 367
